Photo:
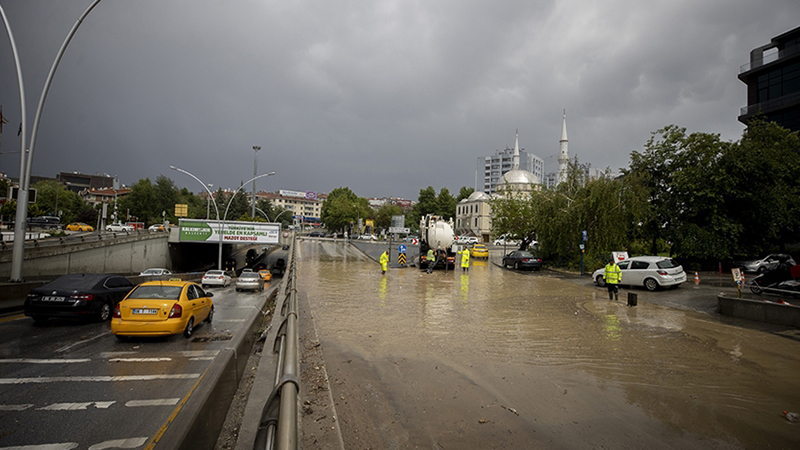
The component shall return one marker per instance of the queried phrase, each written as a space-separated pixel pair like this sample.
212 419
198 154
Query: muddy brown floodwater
493 358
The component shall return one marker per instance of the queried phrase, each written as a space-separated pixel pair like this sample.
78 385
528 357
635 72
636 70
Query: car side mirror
209 294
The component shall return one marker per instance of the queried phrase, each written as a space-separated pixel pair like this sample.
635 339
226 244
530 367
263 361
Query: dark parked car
79 295
316 234
522 260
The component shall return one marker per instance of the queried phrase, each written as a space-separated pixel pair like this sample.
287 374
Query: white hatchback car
119 227
652 272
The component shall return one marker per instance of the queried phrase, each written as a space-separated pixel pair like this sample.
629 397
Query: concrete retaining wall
123 255
761 311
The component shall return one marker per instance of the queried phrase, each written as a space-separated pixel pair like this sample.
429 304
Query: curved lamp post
219 256
27 159
225 216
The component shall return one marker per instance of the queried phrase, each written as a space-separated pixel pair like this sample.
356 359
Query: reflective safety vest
431 256
464 258
384 259
612 274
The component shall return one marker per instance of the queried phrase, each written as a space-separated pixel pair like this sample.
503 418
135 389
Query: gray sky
385 97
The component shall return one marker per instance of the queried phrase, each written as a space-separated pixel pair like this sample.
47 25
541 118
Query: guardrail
278 427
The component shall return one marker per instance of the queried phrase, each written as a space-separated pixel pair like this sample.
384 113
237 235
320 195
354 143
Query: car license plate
144 311
680 279
53 298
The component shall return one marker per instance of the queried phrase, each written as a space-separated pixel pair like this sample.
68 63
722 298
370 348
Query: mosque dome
478 196
518 177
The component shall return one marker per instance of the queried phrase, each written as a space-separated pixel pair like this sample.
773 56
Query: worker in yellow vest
612 275
384 261
464 252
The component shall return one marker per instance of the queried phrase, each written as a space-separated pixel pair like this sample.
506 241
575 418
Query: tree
383 217
343 207
446 204
52 197
465 192
141 202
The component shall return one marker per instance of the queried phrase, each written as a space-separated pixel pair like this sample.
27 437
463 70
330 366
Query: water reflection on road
579 370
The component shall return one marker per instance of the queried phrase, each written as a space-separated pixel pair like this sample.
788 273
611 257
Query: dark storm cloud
384 97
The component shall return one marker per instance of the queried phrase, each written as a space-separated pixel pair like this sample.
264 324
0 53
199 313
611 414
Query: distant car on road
769 262
520 259
652 272
79 226
266 275
162 308
479 251
156 228
249 281
316 234
503 240
119 227
216 278
78 295
155 273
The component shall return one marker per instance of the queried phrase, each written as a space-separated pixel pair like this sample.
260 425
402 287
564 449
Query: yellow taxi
266 275
162 308
479 251
79 226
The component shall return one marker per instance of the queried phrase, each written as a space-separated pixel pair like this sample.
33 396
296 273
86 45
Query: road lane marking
202 358
152 444
64 446
65 348
10 318
154 402
120 443
178 376
196 353
75 406
139 359
15 407
43 361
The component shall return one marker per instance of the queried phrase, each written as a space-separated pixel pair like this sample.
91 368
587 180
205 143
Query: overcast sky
384 97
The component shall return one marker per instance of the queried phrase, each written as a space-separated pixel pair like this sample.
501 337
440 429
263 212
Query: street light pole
18 252
206 187
208 201
256 148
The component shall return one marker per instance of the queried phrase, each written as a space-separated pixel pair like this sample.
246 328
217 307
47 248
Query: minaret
563 155
515 157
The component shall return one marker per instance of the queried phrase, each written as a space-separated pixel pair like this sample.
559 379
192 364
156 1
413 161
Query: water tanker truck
437 234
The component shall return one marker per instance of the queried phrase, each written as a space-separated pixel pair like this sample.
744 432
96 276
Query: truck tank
436 233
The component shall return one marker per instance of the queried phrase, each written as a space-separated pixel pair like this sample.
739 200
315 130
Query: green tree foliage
141 202
465 192
446 204
52 197
383 217
342 207
712 200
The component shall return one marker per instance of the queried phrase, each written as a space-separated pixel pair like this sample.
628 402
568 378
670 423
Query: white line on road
154 402
179 376
64 446
202 358
120 443
75 406
139 359
15 407
43 361
65 348
196 353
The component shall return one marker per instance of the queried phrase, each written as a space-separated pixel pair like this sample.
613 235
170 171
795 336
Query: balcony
769 58
770 105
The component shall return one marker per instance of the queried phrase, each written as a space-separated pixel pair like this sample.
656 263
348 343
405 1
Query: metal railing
278 428
768 58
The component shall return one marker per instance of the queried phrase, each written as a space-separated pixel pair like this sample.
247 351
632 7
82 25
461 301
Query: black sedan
77 296
522 260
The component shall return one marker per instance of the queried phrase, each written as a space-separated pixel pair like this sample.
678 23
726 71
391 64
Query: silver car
770 262
249 281
652 272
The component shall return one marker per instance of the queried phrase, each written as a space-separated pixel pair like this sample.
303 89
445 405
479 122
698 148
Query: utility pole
256 148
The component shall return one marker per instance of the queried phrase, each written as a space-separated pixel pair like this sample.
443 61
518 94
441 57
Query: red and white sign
285 234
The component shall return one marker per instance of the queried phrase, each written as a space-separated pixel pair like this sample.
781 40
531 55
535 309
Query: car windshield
159 292
667 264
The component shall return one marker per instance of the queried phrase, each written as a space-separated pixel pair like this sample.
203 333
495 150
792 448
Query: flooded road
493 358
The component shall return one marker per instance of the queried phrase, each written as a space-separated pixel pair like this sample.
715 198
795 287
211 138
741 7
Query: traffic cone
696 278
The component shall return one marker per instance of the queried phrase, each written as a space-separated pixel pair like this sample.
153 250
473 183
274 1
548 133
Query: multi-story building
773 81
474 216
492 168
305 206
76 181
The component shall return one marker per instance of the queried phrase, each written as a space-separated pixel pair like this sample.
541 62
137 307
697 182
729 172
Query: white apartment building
491 168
